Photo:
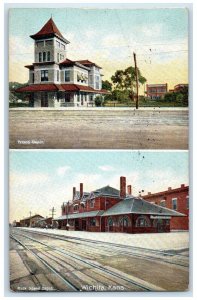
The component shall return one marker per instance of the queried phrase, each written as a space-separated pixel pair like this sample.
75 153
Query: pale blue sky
108 37
42 179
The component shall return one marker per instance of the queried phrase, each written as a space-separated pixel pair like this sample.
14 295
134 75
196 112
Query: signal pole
53 210
136 78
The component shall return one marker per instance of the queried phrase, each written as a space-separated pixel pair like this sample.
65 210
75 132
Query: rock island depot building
55 80
111 210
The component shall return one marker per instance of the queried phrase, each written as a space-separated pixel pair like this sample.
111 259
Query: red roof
49 29
87 62
59 87
39 88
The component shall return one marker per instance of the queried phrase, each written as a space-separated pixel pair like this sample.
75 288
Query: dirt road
99 129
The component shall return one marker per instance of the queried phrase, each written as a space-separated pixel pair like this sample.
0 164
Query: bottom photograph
98 221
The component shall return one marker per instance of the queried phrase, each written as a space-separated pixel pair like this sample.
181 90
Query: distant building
55 80
30 221
156 91
180 87
176 199
108 209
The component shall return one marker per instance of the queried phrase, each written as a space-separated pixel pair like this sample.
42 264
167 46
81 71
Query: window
33 77
44 75
97 82
39 44
49 42
40 56
124 222
61 56
142 221
174 203
92 222
57 44
58 57
44 56
48 56
187 202
76 207
92 203
58 75
163 203
67 76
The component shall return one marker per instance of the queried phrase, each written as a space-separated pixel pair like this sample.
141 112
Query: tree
98 101
126 80
107 85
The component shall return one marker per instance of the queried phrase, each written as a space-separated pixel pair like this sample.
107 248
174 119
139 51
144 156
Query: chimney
149 193
169 188
182 185
81 190
129 189
122 187
74 192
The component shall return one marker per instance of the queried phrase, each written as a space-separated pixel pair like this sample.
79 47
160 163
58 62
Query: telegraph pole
53 210
136 78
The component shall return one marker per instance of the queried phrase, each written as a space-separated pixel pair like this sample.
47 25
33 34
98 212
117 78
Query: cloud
61 171
106 168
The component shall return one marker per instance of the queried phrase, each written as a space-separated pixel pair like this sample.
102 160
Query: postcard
98 150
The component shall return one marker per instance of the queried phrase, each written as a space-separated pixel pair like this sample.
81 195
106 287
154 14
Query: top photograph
84 78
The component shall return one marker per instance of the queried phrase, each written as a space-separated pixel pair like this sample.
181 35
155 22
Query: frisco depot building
55 80
108 209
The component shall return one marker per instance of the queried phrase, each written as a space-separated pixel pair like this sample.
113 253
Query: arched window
142 221
110 221
124 221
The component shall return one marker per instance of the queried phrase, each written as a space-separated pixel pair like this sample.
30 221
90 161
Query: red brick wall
176 223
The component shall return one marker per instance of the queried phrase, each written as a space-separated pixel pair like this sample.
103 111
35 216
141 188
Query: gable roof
133 205
49 30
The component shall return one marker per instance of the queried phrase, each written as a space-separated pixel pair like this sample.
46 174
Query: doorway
44 99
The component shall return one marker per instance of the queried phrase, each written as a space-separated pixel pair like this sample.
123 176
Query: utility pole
53 210
136 78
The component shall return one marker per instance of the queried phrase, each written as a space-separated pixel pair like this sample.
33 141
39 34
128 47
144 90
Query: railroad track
104 272
133 251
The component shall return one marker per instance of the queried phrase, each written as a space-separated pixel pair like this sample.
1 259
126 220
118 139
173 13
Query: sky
108 37
42 179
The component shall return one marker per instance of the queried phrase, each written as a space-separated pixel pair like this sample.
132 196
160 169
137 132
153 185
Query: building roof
133 205
52 87
169 191
157 84
69 63
49 30
107 190
87 63
93 213
29 218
